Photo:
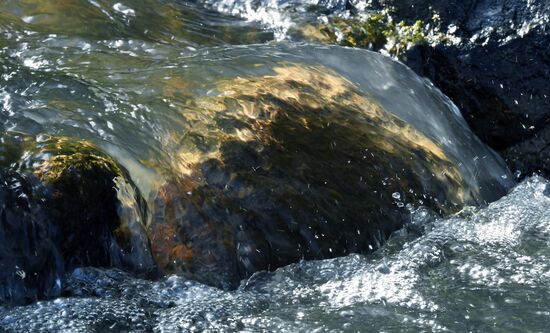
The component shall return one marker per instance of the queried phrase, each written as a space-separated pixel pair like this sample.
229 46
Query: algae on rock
378 31
65 204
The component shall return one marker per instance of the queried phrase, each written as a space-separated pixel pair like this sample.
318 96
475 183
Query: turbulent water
482 270
127 76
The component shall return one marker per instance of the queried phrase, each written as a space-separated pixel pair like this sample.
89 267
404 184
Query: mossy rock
376 31
65 205
295 165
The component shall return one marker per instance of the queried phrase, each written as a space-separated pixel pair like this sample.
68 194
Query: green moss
376 31
369 33
82 193
57 166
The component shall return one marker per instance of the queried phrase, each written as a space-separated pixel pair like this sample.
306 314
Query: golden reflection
247 106
300 162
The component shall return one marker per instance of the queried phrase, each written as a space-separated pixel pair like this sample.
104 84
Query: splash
480 259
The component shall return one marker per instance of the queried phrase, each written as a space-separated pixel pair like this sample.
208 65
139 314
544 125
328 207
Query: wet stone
299 165
64 204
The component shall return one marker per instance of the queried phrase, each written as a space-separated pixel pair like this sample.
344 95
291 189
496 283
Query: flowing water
482 270
143 81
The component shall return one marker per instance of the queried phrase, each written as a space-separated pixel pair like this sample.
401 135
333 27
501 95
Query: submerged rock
299 164
64 204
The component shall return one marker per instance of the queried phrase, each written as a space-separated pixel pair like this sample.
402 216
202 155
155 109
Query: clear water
127 76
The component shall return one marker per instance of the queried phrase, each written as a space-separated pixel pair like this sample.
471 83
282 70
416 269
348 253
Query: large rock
495 67
302 164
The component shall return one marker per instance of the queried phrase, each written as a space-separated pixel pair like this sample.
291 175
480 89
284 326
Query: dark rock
496 68
502 90
531 156
64 204
30 262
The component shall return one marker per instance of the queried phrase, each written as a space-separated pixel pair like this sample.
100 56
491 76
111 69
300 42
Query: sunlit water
127 75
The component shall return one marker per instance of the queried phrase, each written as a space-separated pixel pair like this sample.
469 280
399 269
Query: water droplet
383 268
123 9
